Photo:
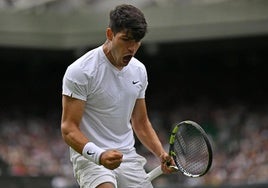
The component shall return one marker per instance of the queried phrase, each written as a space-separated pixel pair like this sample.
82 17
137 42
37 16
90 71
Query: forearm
74 137
148 137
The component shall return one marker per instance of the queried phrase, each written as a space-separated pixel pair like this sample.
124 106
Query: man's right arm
72 112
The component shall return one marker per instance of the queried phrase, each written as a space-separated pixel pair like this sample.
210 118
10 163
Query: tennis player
103 102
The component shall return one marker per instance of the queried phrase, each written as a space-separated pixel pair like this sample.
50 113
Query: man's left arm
147 135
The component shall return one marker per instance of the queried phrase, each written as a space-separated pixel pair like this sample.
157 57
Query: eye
125 39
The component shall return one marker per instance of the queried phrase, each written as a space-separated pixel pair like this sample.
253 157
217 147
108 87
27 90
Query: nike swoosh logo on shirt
134 82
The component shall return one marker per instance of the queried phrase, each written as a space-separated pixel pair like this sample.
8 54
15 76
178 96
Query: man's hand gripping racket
190 149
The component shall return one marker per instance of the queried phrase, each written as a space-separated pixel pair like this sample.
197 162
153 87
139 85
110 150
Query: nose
132 46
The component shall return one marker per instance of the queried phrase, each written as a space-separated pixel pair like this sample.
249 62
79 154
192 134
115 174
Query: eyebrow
128 35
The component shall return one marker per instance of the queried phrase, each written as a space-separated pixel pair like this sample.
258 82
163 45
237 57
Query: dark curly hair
128 18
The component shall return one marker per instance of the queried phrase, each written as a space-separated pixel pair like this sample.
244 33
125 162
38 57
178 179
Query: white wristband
92 152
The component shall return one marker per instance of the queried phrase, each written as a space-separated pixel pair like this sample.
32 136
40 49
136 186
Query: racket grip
154 173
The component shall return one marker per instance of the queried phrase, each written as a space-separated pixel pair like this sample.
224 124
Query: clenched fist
111 159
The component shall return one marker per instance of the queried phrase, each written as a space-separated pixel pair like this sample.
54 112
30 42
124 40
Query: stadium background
215 74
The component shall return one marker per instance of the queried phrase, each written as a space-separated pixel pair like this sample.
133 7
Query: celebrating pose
104 106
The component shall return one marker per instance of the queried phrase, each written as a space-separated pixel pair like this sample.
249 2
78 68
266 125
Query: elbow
65 132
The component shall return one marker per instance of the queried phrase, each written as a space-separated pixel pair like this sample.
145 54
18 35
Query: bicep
139 116
72 111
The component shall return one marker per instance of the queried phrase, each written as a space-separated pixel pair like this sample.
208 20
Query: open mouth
127 58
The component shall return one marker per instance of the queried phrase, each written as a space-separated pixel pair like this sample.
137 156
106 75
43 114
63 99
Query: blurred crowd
239 135
32 145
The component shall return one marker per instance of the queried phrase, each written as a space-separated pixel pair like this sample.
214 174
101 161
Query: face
122 47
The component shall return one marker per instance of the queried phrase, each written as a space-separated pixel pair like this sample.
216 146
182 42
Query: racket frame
158 171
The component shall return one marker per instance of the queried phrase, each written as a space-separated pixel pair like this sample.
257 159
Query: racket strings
191 150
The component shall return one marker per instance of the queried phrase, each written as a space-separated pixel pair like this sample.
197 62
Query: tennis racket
190 149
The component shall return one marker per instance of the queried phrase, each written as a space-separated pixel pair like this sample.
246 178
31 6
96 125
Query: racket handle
155 173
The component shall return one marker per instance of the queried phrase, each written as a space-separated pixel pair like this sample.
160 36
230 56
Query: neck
108 53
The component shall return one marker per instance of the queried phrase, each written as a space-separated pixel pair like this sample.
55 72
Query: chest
111 89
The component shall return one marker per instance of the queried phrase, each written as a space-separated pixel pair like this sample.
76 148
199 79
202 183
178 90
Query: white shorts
129 174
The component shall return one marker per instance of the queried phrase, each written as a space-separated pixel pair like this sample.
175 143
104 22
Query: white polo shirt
110 97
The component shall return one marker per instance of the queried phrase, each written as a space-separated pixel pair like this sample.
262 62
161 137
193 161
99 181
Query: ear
109 34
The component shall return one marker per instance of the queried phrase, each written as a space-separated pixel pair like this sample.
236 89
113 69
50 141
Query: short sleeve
144 79
75 84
